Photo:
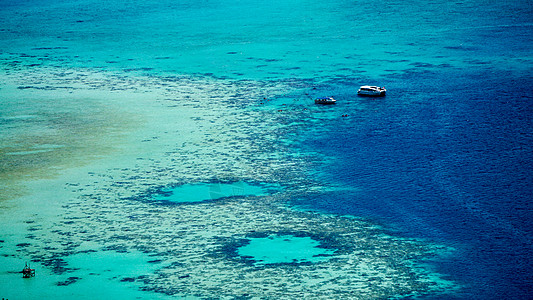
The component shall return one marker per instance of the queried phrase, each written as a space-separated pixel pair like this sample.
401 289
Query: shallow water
422 193
209 191
284 249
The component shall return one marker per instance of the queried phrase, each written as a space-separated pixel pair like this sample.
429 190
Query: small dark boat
28 272
325 100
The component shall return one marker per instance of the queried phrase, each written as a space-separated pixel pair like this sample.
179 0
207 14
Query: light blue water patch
276 249
211 191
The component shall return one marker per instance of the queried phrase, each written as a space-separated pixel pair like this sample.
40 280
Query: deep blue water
443 158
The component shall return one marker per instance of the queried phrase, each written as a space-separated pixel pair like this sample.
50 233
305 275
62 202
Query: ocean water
424 193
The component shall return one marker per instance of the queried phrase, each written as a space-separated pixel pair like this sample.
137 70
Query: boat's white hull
371 91
371 94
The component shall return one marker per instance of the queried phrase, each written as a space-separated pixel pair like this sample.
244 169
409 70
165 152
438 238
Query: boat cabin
370 90
325 100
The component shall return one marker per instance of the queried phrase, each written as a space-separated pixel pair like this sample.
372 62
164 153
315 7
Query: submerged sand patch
44 131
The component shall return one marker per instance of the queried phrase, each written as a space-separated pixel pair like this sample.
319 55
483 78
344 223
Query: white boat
372 91
325 100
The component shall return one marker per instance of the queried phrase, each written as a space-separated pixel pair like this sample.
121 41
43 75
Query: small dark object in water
325 100
27 272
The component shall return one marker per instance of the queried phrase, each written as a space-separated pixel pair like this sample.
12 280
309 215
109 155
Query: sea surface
170 149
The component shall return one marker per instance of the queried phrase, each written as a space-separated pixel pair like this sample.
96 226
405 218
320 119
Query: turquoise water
284 249
97 276
209 191
289 39
423 193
